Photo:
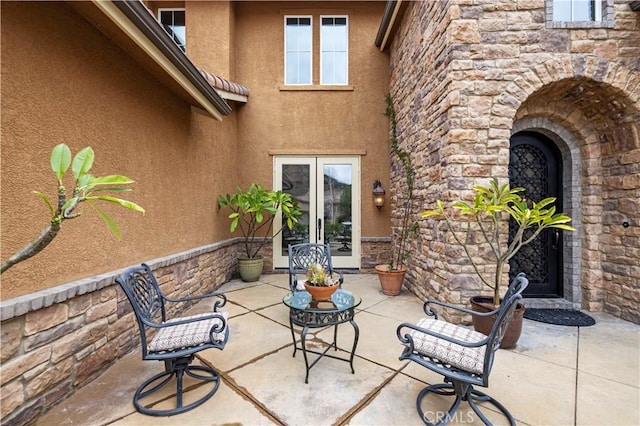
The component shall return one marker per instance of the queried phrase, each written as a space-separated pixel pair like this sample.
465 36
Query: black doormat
559 317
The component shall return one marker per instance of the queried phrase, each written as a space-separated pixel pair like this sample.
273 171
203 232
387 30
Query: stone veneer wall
374 251
56 340
463 73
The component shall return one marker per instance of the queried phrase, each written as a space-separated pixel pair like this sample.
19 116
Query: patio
557 375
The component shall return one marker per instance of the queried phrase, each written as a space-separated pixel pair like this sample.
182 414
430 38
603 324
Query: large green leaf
113 227
111 180
46 200
60 160
124 203
82 162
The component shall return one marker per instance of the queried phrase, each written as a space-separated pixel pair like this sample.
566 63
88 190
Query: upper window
297 50
173 21
299 55
577 10
580 13
333 50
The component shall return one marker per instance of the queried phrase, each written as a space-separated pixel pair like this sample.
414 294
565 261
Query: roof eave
391 16
134 19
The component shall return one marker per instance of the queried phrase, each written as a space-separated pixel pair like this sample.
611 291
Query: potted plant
252 213
483 216
391 274
320 283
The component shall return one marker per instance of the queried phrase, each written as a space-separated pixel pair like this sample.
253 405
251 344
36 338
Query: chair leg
475 395
176 369
462 392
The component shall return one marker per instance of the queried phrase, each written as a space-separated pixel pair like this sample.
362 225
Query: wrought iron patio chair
301 256
174 341
464 357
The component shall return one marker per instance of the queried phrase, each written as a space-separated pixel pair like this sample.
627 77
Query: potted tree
391 274
481 222
252 213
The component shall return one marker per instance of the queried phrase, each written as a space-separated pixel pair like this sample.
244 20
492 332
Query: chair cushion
468 359
186 335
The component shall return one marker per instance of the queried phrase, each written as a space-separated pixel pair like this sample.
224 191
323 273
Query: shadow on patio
557 375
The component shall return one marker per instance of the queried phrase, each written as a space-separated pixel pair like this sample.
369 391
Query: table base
321 354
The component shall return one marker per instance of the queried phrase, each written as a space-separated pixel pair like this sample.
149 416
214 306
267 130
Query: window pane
296 182
298 68
576 10
562 10
337 208
582 10
334 55
298 50
178 18
173 22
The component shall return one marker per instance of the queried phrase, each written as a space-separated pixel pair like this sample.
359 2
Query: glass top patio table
320 313
308 313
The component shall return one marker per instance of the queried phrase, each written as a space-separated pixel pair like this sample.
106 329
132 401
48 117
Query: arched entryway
594 127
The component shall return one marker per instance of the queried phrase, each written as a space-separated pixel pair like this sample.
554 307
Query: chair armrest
179 321
433 312
340 277
217 304
408 340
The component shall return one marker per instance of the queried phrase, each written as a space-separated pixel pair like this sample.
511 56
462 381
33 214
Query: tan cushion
468 359
186 335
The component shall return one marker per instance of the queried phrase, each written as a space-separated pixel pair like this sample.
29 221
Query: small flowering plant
318 276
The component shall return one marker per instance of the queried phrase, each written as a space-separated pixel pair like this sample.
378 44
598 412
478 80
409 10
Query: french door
327 190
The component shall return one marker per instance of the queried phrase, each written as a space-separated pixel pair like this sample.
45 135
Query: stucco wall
313 121
63 81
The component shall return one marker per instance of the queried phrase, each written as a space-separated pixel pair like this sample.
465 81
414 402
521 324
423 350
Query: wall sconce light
378 194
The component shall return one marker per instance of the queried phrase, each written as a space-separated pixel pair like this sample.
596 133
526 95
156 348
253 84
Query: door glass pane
295 181
337 208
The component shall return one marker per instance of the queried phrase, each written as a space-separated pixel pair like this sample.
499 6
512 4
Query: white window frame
604 15
175 9
310 51
346 71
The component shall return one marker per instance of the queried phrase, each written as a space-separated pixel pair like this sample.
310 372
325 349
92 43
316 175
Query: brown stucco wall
63 81
314 121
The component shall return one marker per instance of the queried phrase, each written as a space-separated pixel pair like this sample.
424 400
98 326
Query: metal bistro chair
175 341
301 256
464 357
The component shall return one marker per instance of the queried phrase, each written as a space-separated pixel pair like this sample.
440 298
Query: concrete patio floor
556 376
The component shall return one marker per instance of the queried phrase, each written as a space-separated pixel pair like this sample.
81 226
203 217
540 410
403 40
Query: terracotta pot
485 324
390 281
321 293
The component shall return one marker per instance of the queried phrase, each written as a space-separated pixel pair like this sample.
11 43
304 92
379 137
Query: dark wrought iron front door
535 164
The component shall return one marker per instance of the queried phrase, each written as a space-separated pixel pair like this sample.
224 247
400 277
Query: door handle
556 239
319 230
